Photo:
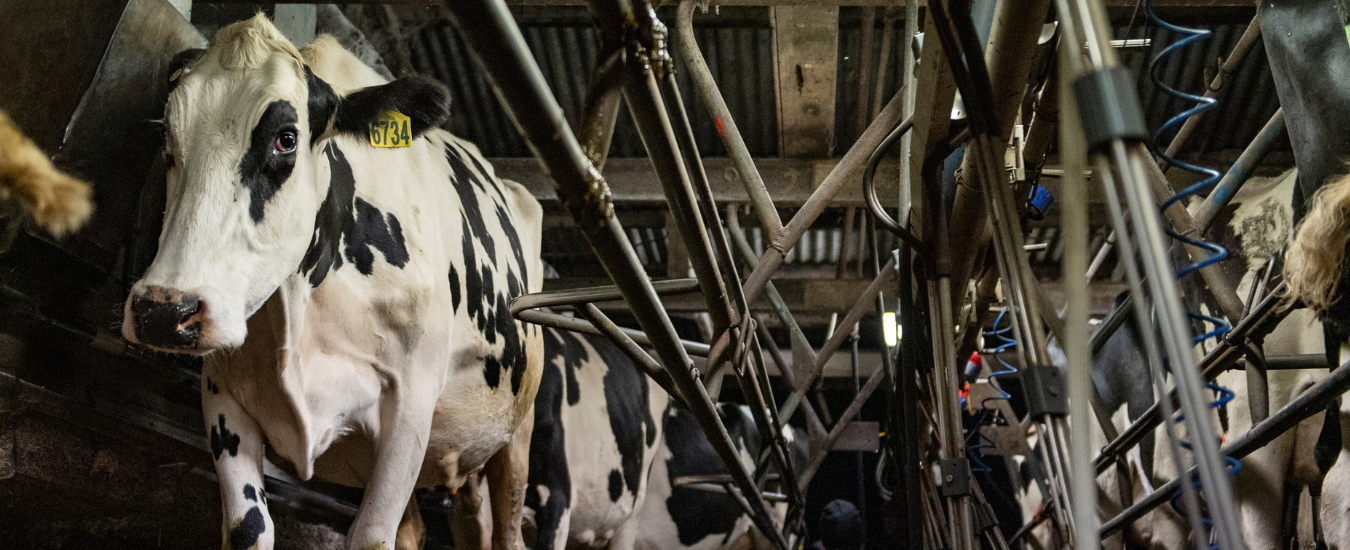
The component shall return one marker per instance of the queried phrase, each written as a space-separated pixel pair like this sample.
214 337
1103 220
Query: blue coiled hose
1216 252
977 440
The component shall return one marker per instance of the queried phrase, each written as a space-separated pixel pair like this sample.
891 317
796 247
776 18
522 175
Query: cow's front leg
237 446
405 425
507 473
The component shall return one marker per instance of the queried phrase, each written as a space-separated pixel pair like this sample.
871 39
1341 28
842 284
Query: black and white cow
689 518
1255 227
595 435
350 301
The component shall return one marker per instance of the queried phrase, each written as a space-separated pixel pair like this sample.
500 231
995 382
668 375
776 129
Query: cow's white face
246 177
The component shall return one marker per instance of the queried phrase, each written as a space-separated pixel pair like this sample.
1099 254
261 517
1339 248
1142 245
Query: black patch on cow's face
265 167
223 440
454 289
615 485
345 218
699 514
246 534
215 390
323 103
250 493
548 460
425 101
181 64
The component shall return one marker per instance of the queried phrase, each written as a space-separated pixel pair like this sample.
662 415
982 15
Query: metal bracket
955 477
1045 391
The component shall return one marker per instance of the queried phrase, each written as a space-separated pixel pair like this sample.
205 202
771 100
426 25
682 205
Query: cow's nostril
168 318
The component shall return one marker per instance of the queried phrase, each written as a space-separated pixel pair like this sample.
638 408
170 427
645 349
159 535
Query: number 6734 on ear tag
391 129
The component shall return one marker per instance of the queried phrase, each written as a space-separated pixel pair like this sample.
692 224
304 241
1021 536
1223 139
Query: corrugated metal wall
738 47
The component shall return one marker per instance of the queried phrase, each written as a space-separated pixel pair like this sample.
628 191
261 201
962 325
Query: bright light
893 331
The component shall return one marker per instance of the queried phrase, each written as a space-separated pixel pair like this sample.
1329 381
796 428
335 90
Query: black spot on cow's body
222 439
565 345
615 485
246 534
322 104
464 181
264 169
382 232
548 460
492 371
454 289
345 218
473 280
250 493
630 417
210 385
513 238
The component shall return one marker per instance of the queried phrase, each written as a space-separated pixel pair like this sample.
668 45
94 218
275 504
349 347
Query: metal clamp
1045 391
955 477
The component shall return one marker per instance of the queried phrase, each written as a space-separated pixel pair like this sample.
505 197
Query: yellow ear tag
391 129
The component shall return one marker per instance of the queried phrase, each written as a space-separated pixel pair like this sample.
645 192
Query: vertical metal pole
1078 358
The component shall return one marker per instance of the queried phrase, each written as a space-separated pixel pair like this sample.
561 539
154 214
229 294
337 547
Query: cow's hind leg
412 533
507 473
237 447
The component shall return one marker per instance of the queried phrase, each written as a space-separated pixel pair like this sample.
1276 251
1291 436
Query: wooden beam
806 63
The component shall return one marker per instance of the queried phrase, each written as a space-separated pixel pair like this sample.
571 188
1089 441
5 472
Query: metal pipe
1150 338
658 134
1077 352
726 126
839 176
573 324
1012 40
1235 57
1241 170
500 50
1306 405
855 314
852 411
1263 319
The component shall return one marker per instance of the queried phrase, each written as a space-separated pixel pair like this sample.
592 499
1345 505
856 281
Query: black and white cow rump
596 429
345 268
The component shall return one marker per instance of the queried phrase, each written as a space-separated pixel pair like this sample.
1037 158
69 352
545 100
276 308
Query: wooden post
805 51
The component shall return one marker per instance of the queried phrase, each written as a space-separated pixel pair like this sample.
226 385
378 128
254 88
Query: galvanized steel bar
726 125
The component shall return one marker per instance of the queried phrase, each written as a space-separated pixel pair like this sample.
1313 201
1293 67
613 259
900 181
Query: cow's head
245 127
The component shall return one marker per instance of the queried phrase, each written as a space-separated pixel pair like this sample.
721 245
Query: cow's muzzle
167 318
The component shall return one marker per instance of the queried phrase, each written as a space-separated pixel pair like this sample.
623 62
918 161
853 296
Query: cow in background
689 518
1254 228
596 428
350 300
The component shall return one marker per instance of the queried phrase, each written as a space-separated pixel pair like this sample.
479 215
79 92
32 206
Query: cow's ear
182 63
423 100
323 104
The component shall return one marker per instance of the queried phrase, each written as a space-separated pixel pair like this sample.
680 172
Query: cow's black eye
286 142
